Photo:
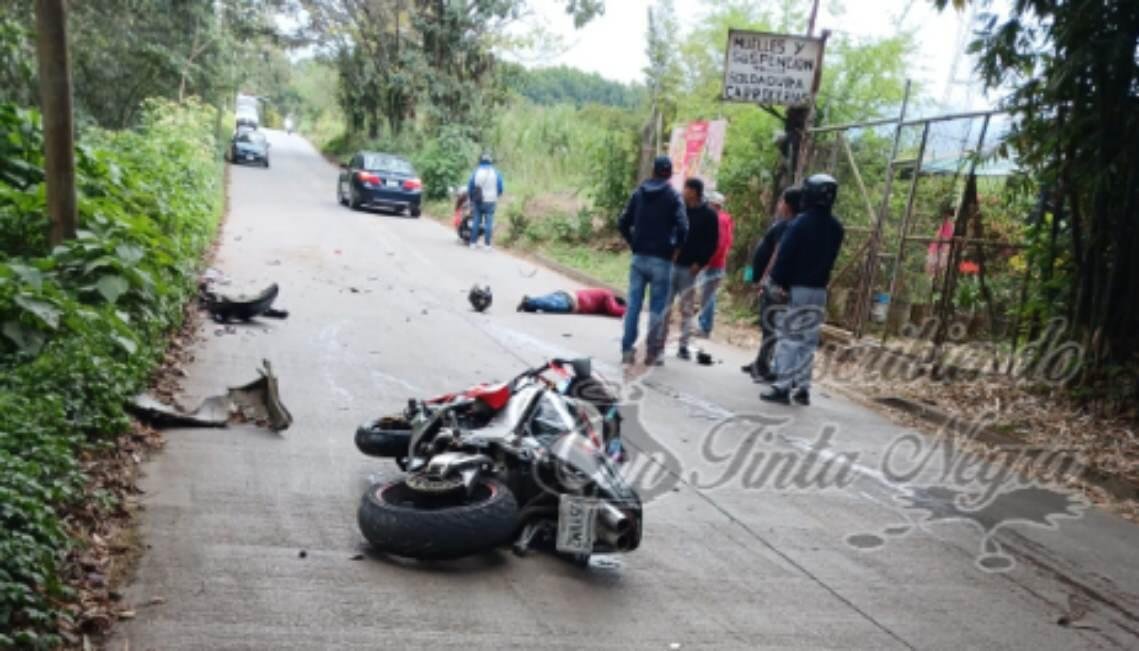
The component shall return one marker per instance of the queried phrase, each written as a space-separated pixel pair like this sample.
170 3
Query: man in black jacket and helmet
802 270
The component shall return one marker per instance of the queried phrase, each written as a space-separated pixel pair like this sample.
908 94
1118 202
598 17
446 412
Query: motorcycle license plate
577 519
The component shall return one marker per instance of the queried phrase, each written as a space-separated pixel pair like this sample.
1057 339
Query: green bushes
82 325
444 162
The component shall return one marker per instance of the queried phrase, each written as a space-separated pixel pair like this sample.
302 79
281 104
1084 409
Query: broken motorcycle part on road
224 308
258 402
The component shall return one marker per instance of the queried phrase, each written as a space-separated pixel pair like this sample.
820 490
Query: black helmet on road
480 297
819 191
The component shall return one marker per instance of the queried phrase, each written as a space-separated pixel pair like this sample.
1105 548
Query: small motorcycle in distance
534 460
462 217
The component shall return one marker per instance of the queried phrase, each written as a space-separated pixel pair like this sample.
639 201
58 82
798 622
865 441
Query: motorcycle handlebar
538 370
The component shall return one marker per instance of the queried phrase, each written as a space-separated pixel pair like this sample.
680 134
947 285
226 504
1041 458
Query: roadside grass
610 267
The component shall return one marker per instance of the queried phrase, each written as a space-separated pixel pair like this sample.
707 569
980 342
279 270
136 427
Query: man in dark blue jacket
655 226
801 271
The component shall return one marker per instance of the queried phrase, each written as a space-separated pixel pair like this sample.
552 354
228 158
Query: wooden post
59 130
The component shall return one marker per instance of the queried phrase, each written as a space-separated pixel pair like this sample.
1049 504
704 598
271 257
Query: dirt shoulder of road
1000 417
100 570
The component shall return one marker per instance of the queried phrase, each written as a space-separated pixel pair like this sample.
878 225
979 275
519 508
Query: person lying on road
584 301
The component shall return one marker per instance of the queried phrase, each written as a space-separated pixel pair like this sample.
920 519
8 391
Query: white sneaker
489 248
474 245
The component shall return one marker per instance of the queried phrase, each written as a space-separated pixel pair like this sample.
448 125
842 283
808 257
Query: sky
613 45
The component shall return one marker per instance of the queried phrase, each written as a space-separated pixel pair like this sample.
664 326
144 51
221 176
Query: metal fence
917 251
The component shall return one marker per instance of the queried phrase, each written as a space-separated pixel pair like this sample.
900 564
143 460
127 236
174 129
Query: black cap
662 167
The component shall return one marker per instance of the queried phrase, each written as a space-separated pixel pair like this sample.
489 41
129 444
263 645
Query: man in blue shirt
801 272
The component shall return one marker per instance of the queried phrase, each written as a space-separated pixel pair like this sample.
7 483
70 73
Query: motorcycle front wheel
400 521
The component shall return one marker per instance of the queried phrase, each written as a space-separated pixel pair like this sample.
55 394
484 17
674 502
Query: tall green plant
1073 75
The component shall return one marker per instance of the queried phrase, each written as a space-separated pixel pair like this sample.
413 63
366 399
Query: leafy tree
17 61
1074 79
125 51
419 59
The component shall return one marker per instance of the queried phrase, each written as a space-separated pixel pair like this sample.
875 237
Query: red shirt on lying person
599 301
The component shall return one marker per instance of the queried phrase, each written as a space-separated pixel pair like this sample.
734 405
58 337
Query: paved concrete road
378 314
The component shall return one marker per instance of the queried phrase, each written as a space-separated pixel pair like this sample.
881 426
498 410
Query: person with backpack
483 189
655 225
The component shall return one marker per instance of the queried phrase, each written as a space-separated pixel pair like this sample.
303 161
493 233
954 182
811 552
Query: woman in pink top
713 274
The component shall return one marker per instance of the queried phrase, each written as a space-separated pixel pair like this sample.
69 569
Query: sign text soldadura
763 68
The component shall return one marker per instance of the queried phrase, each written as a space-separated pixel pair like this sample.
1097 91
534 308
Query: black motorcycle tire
440 533
465 230
374 441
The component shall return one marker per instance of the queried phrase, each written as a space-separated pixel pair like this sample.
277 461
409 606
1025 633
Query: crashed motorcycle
534 461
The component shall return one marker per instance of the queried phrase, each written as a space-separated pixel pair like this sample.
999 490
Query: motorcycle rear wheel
394 522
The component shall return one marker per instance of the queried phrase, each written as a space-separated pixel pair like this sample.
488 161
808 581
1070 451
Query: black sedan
380 180
249 146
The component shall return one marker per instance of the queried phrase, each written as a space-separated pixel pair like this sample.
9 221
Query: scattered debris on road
213 412
258 401
224 308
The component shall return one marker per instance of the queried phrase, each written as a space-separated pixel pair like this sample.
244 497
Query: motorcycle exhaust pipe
620 541
615 527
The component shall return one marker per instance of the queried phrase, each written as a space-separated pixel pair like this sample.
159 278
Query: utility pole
798 117
795 125
59 130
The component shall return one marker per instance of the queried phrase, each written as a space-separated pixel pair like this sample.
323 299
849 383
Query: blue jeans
482 212
650 272
557 302
709 283
797 325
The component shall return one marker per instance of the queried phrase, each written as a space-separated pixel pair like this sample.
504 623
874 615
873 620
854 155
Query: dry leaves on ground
1037 415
